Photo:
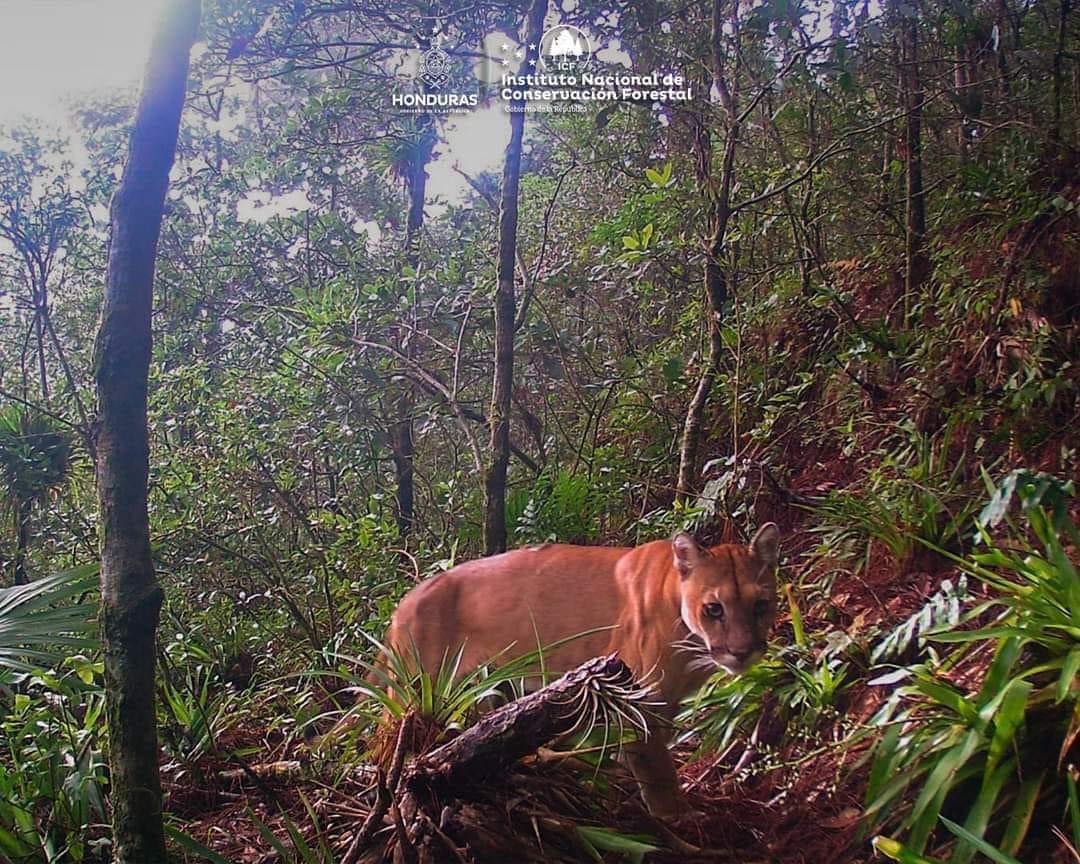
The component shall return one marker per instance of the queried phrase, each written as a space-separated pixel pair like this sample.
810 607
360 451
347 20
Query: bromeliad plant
997 758
396 686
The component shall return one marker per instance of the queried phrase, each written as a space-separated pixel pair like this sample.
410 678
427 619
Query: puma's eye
761 607
714 610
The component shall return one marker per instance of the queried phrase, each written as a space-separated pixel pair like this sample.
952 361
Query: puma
674 611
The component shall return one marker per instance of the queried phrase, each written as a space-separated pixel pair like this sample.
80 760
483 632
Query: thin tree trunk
1005 22
965 98
1059 72
39 334
418 188
718 214
716 292
916 266
506 306
401 435
22 540
130 595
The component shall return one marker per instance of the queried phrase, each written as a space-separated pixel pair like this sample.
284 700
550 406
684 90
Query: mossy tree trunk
130 596
506 304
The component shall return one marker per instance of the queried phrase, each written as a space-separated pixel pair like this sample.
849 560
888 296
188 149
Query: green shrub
992 757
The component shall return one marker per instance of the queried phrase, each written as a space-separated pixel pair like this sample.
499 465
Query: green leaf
979 815
995 855
998 506
672 369
633 846
884 758
1022 811
924 815
13 845
979 635
603 116
192 845
659 179
34 615
646 235
998 674
630 242
269 836
1069 671
945 695
1008 719
898 852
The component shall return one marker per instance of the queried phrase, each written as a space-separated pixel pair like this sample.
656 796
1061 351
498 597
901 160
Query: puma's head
729 595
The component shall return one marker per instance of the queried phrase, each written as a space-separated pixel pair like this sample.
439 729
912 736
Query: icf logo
565 48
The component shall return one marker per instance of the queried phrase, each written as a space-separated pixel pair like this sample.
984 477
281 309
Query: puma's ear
766 542
686 552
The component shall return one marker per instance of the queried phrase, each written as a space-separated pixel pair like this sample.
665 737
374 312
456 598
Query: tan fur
653 598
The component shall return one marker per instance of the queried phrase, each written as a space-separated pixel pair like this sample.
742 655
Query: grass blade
995 855
190 844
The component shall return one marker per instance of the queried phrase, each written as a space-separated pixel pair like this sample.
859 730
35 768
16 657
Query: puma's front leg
654 770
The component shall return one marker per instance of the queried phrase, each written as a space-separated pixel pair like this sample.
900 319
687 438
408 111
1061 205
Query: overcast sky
57 50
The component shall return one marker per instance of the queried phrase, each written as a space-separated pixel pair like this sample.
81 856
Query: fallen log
523 726
435 811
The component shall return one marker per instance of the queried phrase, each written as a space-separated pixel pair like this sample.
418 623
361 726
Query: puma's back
517 600
662 606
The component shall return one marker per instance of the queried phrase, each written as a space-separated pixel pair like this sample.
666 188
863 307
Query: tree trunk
22 540
401 435
916 265
966 99
505 305
716 292
1064 11
718 214
130 596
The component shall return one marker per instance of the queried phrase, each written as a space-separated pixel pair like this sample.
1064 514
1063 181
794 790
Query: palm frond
36 620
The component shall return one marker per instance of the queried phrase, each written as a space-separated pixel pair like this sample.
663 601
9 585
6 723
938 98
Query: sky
57 50
50 49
